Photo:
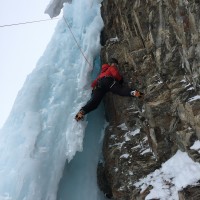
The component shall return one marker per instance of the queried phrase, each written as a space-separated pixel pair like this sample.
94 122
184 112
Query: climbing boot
80 115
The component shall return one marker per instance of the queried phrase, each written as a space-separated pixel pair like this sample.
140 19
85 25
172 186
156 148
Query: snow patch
174 175
183 81
133 133
196 146
146 151
127 138
116 39
123 127
126 155
191 88
194 98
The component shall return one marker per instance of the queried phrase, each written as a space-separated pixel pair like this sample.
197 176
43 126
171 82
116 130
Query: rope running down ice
37 21
77 42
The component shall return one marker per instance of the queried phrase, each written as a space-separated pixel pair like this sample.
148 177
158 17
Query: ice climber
109 79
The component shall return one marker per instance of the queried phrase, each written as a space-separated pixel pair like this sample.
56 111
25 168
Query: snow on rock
123 127
146 151
194 98
116 39
174 175
126 155
196 146
133 133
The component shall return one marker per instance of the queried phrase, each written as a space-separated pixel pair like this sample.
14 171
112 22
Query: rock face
157 45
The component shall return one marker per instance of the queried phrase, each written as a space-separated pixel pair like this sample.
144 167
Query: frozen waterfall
41 136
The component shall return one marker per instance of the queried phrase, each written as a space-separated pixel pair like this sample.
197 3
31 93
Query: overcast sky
20 46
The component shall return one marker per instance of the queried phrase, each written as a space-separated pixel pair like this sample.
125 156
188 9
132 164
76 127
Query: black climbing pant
105 85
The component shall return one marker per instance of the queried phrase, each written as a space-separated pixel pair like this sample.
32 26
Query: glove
80 115
136 93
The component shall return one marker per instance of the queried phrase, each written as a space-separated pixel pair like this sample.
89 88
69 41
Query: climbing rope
77 42
30 22
43 20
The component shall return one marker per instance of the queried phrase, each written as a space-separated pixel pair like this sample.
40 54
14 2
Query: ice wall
55 6
79 180
40 133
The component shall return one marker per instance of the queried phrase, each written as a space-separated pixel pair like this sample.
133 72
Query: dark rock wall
158 47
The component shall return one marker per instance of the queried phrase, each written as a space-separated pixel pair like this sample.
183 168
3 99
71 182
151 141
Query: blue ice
40 135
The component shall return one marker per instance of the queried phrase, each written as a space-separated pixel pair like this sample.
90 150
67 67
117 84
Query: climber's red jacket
107 71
